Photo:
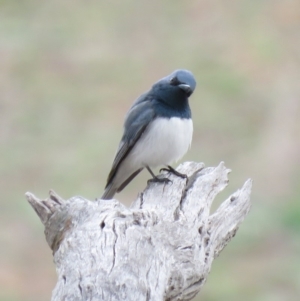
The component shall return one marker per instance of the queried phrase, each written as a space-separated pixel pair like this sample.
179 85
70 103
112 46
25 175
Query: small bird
158 130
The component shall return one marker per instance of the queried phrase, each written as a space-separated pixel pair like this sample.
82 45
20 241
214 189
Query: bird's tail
109 192
112 188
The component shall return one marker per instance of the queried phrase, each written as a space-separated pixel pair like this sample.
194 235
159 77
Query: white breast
165 141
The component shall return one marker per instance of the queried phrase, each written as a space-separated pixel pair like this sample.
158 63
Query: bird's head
178 85
183 80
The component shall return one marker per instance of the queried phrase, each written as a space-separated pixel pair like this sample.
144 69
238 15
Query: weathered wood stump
160 248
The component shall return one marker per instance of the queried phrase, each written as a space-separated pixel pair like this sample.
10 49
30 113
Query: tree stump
160 248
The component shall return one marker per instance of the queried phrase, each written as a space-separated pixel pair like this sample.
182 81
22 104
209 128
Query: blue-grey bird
158 130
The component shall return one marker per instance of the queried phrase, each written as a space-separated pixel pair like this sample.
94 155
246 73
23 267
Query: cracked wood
160 248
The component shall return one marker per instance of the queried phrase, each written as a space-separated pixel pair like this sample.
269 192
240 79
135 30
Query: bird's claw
174 171
159 180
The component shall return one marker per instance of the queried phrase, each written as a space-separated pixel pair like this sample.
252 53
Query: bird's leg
173 171
155 178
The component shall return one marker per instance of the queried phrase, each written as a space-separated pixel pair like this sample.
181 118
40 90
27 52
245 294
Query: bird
158 131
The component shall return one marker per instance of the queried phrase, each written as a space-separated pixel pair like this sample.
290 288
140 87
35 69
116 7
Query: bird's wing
137 120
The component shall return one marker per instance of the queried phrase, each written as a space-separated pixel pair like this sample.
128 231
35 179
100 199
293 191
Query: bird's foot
159 180
174 171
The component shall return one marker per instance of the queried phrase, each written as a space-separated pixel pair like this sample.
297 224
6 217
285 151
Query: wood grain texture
161 248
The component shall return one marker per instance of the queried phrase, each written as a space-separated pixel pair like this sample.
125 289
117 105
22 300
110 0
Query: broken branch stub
160 248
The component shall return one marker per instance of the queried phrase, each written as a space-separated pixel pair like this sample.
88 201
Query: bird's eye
174 81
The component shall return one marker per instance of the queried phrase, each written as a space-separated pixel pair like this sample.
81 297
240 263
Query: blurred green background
69 71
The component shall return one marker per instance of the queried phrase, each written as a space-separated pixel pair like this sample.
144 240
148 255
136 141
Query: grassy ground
70 70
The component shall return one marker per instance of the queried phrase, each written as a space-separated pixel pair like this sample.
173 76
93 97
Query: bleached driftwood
160 248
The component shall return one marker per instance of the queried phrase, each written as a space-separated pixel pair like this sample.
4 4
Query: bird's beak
186 88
